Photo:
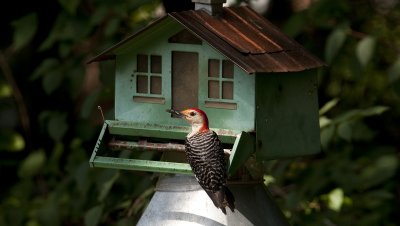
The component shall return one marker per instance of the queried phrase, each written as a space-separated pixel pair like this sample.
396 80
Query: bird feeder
257 86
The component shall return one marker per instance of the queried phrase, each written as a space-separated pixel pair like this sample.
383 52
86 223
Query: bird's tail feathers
222 199
229 199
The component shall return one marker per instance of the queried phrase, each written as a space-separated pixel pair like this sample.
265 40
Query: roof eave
109 54
250 63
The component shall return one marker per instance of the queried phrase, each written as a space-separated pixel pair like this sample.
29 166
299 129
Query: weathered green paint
243 117
287 115
132 129
137 129
98 145
130 164
141 165
241 151
281 109
154 41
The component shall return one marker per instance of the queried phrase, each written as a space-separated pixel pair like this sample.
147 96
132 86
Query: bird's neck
198 128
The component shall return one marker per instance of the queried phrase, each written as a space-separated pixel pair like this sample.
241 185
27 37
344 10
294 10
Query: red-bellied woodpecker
205 155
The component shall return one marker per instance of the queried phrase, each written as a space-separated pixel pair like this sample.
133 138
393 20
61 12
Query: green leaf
57 126
361 132
45 67
328 106
376 198
335 199
381 170
99 14
376 110
69 5
327 134
268 179
64 49
52 81
89 104
394 71
93 216
49 213
111 27
11 141
365 50
295 24
53 163
334 43
360 113
324 121
32 222
108 178
344 130
81 177
55 33
24 30
76 77
32 164
5 90
129 221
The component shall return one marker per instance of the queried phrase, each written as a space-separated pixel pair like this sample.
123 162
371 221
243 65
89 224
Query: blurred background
49 120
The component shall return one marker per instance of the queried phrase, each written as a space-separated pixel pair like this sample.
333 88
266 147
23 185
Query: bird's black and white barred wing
205 155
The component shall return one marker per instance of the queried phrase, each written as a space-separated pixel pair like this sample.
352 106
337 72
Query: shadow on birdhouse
257 86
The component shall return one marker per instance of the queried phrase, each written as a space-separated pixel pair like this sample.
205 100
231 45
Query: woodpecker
205 155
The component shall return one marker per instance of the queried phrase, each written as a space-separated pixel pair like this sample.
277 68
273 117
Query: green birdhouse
257 86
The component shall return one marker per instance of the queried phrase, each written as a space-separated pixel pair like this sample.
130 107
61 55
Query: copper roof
243 36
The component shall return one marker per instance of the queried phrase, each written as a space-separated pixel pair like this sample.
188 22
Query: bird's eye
192 113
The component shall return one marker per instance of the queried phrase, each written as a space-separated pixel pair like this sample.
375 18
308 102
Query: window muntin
220 84
220 79
148 81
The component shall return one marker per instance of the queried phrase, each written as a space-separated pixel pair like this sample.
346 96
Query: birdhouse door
185 79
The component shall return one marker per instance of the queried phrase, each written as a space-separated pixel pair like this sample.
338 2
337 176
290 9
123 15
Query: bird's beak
176 113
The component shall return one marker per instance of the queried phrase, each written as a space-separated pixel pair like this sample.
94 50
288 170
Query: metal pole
180 201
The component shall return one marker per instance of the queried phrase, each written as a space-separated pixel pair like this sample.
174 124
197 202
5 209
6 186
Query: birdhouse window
220 84
148 79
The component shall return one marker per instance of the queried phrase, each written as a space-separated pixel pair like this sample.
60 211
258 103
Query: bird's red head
196 116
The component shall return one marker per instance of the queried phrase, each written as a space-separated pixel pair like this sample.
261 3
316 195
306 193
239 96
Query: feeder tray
133 136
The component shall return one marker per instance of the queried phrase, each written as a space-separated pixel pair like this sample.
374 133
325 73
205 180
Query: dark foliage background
49 118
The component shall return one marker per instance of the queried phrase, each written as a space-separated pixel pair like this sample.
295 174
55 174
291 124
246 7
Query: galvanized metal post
179 200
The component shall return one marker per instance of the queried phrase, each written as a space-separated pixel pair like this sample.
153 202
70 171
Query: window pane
155 85
227 69
213 68
141 84
155 64
227 90
142 65
213 89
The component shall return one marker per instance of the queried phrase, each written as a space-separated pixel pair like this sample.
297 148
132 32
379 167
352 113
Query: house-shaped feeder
257 86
